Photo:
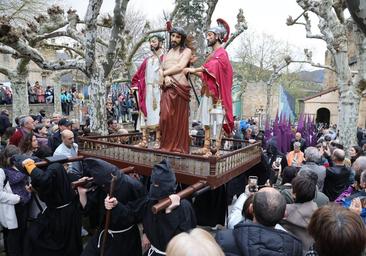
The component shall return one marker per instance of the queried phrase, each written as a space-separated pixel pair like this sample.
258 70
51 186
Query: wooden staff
108 216
61 160
163 204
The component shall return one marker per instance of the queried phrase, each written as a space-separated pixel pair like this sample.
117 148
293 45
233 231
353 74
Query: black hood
163 181
101 171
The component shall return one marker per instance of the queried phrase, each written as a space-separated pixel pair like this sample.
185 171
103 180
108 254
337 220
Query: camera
278 162
253 184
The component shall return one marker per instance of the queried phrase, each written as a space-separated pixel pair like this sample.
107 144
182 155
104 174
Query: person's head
288 174
337 231
212 39
312 154
42 112
297 146
9 132
27 123
163 181
363 180
123 139
297 136
46 122
56 117
28 143
248 131
218 34
67 138
112 124
303 189
5 112
355 152
43 151
6 155
177 38
41 129
359 164
247 211
64 124
156 42
338 156
198 242
269 207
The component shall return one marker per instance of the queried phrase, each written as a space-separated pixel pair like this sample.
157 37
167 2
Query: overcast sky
263 16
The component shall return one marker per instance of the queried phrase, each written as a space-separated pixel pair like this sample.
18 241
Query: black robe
211 207
126 190
161 228
56 231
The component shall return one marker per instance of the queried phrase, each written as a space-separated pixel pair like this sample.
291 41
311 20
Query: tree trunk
349 103
57 98
20 104
98 113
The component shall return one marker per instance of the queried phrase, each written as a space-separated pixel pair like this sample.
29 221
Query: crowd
122 107
294 203
300 199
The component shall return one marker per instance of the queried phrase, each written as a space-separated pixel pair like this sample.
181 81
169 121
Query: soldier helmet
222 30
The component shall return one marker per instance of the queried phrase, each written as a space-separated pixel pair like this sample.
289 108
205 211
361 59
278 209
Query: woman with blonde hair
198 242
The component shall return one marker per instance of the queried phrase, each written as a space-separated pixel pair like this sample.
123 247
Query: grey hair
297 144
363 177
23 120
312 154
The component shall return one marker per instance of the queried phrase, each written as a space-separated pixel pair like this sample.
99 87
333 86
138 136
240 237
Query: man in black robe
123 233
57 230
160 228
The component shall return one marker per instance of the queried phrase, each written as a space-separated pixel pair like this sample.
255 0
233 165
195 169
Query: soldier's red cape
218 76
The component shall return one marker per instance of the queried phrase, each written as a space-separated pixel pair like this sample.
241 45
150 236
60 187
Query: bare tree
19 76
96 65
333 30
258 54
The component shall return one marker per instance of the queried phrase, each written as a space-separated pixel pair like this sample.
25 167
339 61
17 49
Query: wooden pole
164 203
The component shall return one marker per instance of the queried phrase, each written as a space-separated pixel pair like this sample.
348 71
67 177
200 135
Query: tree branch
309 60
240 26
211 8
102 42
51 35
57 47
175 10
277 69
7 50
5 71
118 25
307 25
71 29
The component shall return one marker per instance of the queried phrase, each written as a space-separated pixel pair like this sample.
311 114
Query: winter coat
336 181
297 221
249 239
8 218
